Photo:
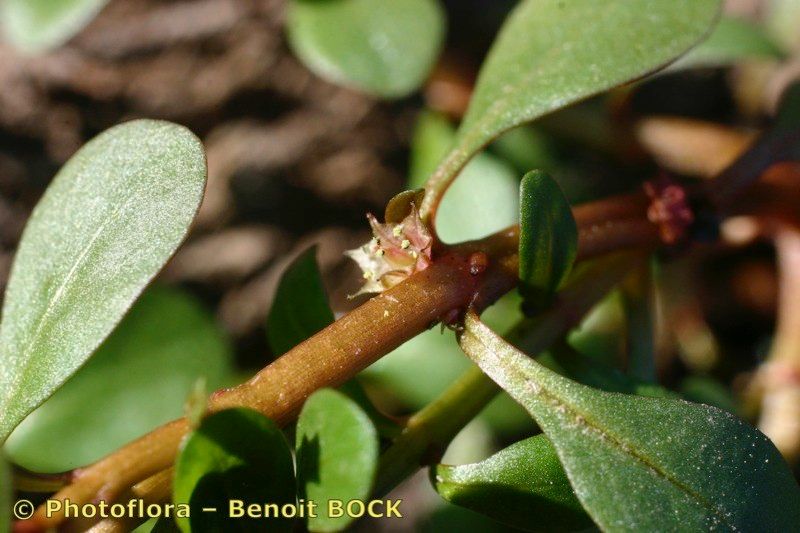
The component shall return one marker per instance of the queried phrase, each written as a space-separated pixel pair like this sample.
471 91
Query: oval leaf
36 25
548 238
137 380
647 464
552 53
368 44
106 225
236 454
300 308
523 486
337 455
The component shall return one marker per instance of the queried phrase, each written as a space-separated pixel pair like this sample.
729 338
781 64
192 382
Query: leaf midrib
582 419
58 295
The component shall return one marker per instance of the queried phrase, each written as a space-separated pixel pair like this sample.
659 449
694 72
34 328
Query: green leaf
707 390
105 226
485 198
523 486
36 25
548 238
525 148
236 454
732 40
568 362
383 48
781 19
137 380
552 53
300 308
647 464
337 455
6 495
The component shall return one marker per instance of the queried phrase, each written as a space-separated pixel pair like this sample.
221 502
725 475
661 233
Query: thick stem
352 343
428 431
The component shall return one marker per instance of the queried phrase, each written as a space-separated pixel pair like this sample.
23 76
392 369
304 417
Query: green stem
431 429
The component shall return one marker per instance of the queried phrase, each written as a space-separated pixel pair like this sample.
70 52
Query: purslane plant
121 206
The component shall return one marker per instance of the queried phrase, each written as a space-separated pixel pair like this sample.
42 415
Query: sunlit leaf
645 464
337 455
523 486
552 53
35 25
300 308
105 226
548 238
137 380
384 48
236 454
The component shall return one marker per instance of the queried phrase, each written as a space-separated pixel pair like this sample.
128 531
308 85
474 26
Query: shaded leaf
454 518
732 40
105 226
552 53
337 455
523 486
567 362
36 25
707 390
639 301
644 464
781 19
548 238
485 198
236 454
137 380
384 48
6 495
525 148
300 308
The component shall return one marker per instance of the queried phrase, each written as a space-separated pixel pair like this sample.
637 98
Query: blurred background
295 160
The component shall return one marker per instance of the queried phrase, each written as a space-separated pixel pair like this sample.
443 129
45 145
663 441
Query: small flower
395 252
669 209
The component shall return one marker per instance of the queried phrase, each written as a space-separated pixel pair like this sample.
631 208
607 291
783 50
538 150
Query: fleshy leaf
138 380
236 454
523 486
551 53
548 238
337 455
646 464
105 226
300 308
36 25
383 48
